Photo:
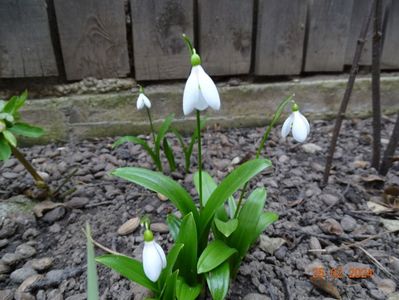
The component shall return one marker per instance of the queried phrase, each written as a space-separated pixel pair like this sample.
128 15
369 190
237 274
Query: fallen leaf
44 206
331 226
270 245
377 208
373 178
390 224
295 202
326 286
129 226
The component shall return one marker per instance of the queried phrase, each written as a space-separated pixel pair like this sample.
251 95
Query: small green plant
215 231
158 138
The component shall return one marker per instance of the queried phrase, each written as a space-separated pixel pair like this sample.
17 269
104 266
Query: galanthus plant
215 230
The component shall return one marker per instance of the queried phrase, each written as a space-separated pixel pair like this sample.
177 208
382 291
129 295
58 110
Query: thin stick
386 163
348 92
375 84
199 156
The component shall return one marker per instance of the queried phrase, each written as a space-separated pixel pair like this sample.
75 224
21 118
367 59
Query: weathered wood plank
159 50
329 25
280 37
390 57
93 38
26 49
225 40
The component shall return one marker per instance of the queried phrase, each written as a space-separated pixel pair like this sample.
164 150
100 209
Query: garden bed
310 216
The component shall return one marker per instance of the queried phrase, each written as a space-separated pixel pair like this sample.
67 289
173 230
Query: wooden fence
74 39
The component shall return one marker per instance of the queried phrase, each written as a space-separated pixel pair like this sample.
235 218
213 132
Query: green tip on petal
148 236
141 89
195 59
295 107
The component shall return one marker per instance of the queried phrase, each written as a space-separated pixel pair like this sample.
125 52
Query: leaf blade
27 130
214 255
92 277
218 281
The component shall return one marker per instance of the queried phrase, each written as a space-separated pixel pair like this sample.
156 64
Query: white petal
146 101
152 261
305 121
140 101
191 92
285 130
208 89
161 255
299 128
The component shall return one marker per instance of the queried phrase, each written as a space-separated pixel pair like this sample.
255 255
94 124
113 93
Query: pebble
348 223
129 226
7 294
54 215
331 226
314 244
55 295
4 268
281 252
162 197
148 208
19 275
160 227
25 251
77 202
42 264
79 297
376 294
387 286
311 148
11 258
256 296
3 243
30 233
10 175
55 228
329 199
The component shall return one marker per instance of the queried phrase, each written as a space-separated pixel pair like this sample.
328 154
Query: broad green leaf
226 228
208 185
27 130
169 291
160 183
214 254
186 292
10 138
5 150
6 116
11 105
232 206
161 133
92 278
218 281
169 155
187 261
171 260
265 219
129 268
2 104
174 224
228 187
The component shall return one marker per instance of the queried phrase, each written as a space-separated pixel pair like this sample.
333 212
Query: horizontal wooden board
280 40
93 38
26 48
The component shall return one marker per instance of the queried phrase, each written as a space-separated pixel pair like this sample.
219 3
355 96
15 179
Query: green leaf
218 281
232 206
214 254
169 155
2 104
227 228
92 278
15 103
208 185
5 150
27 130
187 261
6 116
174 224
10 138
160 183
129 268
169 291
161 133
265 219
170 263
186 292
228 186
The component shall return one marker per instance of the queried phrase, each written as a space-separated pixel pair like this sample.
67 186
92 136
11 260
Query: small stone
329 199
348 223
11 259
360 164
55 276
25 251
283 158
41 295
256 296
80 297
4 268
376 294
54 215
311 148
42 264
129 226
162 197
394 263
394 296
314 244
24 287
148 208
10 175
331 226
55 295
55 228
160 227
270 245
19 275
77 202
236 160
7 294
387 286
3 243
281 252
30 233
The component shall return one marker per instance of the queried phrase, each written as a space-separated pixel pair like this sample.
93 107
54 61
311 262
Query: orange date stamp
338 273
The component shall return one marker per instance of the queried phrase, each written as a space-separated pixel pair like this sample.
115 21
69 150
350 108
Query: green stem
188 43
276 117
199 155
152 126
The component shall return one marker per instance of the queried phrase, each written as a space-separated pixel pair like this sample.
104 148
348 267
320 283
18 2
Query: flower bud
195 59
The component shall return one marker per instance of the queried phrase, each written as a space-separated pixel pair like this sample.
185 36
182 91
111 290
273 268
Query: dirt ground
51 249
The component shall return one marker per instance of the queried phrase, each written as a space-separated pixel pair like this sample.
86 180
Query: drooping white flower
154 259
299 125
200 90
142 101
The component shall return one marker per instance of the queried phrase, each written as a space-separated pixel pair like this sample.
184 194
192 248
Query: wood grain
280 40
26 49
225 39
329 25
390 57
159 50
93 38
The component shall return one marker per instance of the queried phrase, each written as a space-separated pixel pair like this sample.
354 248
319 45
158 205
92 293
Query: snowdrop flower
300 126
142 100
154 260
200 90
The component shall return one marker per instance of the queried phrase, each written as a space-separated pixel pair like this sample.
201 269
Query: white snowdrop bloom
200 90
142 101
299 125
154 259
